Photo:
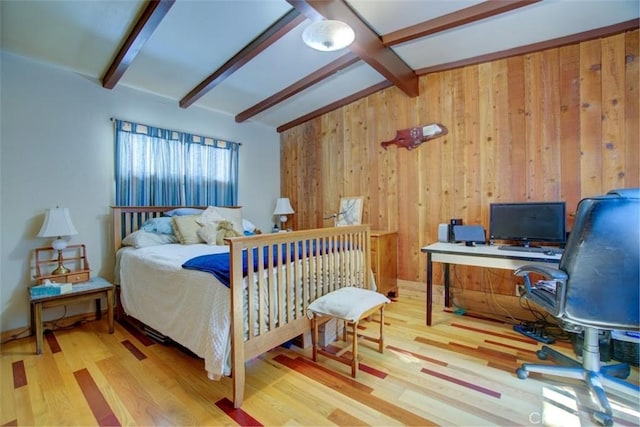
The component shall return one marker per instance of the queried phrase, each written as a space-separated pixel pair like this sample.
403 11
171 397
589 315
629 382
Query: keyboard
535 249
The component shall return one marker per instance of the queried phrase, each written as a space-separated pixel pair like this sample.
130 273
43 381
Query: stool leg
314 337
381 339
354 362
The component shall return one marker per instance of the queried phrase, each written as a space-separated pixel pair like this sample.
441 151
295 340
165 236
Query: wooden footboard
289 270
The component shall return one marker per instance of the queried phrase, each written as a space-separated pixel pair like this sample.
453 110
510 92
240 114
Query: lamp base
61 270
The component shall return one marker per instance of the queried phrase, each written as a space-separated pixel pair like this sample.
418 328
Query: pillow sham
162 225
217 213
209 233
248 225
141 239
186 229
183 211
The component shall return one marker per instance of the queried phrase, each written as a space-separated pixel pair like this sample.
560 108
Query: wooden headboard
127 219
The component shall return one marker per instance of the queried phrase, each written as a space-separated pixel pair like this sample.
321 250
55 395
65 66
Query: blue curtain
161 167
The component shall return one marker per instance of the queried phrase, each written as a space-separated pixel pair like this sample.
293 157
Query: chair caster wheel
542 355
523 374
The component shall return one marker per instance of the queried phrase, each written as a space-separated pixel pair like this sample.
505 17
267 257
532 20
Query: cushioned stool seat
351 305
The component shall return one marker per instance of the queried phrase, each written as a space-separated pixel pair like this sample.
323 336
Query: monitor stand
526 245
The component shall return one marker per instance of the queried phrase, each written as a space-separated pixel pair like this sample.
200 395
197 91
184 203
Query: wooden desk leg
110 301
37 311
429 287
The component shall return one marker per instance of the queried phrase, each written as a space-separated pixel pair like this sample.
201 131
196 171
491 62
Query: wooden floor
458 372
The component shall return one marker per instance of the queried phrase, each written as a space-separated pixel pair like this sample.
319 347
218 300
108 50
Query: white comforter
191 307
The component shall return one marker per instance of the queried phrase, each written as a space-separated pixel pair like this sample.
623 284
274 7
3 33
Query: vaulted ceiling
246 58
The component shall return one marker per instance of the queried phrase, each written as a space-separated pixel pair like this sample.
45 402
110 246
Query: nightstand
83 286
94 289
384 261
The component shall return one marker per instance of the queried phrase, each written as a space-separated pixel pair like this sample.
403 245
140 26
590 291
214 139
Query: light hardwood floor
460 372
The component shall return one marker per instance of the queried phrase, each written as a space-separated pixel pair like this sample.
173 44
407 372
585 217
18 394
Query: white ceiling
195 38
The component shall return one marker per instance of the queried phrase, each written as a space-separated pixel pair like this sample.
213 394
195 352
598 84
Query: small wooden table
95 288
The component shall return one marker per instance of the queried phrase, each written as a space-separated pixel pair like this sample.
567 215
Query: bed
272 278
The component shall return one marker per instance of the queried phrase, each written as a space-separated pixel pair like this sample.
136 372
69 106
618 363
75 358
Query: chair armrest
553 302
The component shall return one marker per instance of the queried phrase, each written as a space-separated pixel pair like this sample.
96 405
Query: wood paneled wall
559 124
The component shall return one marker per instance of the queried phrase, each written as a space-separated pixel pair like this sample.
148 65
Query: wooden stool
351 305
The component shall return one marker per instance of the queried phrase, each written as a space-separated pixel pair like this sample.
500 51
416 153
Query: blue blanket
218 264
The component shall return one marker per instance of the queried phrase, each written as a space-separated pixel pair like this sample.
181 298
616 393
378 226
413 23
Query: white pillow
248 225
141 238
346 303
209 233
214 214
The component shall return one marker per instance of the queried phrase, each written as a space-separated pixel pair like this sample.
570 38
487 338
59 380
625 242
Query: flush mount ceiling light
328 35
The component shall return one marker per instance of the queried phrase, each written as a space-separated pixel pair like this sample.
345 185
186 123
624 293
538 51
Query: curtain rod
113 119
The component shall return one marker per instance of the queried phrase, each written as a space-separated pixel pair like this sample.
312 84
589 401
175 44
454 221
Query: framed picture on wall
350 212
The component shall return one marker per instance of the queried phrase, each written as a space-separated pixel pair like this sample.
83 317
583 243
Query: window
160 167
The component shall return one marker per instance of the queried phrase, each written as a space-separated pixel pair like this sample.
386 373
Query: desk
479 256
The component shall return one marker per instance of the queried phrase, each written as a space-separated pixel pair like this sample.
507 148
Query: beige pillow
214 214
208 233
186 229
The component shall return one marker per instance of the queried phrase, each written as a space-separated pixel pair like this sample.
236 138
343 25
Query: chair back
601 259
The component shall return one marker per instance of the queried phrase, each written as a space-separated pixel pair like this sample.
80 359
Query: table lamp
57 223
283 208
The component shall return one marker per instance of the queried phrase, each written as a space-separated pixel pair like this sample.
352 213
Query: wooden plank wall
559 124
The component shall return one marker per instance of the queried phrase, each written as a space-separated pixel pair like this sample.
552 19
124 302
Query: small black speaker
452 224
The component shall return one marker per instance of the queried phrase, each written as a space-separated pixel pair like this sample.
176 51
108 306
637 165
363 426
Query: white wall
57 149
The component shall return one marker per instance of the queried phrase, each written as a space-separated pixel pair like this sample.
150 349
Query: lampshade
57 223
283 207
328 35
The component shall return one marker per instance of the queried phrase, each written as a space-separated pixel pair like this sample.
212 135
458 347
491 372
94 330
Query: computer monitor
528 222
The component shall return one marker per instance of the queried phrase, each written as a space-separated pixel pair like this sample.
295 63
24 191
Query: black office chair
597 288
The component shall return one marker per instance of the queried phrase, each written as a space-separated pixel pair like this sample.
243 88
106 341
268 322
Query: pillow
210 216
162 225
208 233
183 211
217 213
186 229
141 238
248 225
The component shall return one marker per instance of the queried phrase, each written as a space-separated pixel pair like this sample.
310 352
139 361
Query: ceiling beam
454 19
148 21
281 27
335 105
302 84
597 33
367 45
